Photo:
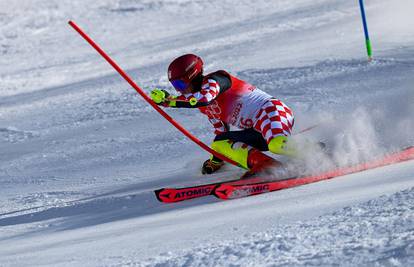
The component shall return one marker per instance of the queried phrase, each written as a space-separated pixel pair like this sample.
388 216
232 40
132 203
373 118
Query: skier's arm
219 126
210 89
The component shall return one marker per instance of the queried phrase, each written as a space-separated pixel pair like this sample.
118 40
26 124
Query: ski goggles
179 85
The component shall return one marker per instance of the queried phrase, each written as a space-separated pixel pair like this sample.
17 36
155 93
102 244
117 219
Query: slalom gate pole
148 99
364 22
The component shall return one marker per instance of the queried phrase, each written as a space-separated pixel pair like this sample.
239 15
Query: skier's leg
283 146
248 157
250 137
229 148
244 147
236 151
275 122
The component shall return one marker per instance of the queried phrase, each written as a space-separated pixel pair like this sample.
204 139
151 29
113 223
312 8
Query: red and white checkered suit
245 109
274 119
209 91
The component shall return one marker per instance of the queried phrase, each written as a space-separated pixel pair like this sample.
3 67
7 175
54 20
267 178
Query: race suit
227 100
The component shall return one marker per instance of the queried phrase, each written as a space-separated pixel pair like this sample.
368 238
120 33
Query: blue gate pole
364 22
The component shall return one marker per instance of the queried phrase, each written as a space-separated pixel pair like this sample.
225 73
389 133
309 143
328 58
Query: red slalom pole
149 100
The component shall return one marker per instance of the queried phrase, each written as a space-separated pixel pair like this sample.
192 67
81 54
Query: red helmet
183 70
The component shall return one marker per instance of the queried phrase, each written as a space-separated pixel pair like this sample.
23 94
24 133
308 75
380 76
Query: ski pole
364 23
193 101
307 129
147 98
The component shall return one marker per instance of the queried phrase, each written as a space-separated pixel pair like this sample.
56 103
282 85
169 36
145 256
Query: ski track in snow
81 153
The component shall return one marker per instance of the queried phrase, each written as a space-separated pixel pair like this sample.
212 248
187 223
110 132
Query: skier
264 122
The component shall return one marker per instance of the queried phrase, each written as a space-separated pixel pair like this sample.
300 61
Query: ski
171 195
258 185
232 191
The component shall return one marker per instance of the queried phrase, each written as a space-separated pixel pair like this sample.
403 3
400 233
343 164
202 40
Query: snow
350 236
81 152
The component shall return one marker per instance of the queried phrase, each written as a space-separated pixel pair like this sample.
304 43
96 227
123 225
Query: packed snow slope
81 152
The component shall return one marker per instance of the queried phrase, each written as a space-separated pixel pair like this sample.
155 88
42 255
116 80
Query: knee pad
283 146
235 151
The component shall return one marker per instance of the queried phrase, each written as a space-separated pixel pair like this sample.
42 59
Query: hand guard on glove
162 98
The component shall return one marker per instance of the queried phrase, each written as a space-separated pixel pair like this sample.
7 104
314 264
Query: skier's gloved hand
163 98
159 96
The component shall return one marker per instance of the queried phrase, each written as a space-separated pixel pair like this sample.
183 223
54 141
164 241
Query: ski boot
259 163
210 166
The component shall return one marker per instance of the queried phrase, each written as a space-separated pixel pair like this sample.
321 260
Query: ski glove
163 98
